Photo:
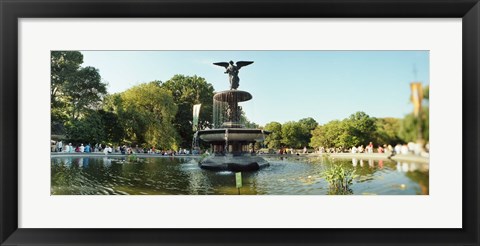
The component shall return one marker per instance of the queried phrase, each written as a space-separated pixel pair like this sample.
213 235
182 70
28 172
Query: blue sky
286 85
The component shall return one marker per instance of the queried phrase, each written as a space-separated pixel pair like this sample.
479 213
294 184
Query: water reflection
286 176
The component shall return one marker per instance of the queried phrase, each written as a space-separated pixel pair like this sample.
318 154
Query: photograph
275 122
239 122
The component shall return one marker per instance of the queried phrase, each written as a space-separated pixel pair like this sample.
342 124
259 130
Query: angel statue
232 71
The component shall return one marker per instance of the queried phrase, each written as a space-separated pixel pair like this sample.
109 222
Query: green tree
274 139
63 66
426 123
355 130
293 134
426 92
308 125
96 126
409 125
112 127
358 129
387 131
188 91
146 112
84 91
114 118
88 129
327 135
408 128
75 91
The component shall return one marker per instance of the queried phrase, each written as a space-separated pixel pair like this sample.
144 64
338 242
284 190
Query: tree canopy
75 91
188 91
147 112
355 130
274 140
84 91
293 134
387 131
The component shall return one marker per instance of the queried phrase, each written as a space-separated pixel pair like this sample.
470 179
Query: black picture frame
11 11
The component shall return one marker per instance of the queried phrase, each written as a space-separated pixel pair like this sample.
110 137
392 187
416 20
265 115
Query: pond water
111 175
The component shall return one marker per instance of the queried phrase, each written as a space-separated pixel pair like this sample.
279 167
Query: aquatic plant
132 158
203 156
339 179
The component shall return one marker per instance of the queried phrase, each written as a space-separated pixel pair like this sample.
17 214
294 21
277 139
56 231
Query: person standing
370 147
59 146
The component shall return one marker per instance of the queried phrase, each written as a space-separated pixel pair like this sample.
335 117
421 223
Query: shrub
339 179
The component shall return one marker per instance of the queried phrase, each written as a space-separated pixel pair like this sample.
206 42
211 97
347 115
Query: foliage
58 118
327 135
353 131
146 113
133 158
409 126
339 179
293 134
358 129
112 127
426 92
83 92
387 131
96 126
88 129
74 92
426 124
274 139
308 125
63 64
188 91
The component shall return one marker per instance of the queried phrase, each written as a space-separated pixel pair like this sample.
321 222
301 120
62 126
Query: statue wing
222 64
243 63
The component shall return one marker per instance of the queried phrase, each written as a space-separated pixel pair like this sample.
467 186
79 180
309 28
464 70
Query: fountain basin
233 163
234 134
232 95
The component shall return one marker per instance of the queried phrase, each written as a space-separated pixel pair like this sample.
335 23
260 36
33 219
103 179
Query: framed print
267 122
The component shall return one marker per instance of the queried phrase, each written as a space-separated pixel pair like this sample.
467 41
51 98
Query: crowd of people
108 149
403 149
370 149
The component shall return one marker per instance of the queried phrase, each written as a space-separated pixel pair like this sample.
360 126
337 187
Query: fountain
232 143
